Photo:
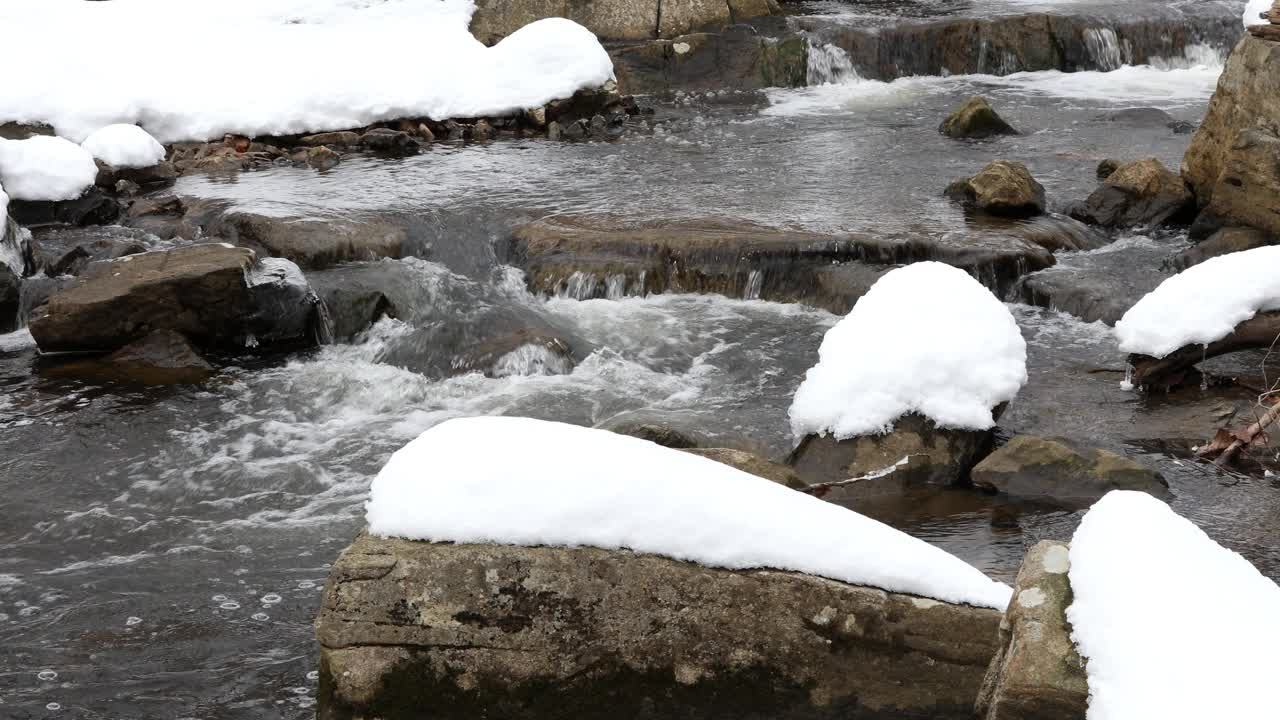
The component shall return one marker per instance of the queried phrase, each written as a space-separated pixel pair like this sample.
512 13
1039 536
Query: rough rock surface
1139 193
1223 242
615 19
1053 469
656 433
1037 675
933 456
1003 188
61 250
312 244
412 629
738 58
1247 97
975 119
753 464
1247 192
163 357
160 175
94 207
13 265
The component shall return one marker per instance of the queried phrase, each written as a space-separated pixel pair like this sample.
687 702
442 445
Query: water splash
755 283
829 65
1106 48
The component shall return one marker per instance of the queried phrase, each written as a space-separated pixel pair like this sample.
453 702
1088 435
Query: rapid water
164 549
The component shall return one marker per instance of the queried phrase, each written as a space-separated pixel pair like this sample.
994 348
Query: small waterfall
755 283
615 286
579 286
829 65
1106 49
532 359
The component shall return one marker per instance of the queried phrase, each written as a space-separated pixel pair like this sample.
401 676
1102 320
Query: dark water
163 550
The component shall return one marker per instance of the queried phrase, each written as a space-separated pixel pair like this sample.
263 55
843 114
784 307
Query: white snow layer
124 146
1172 625
519 481
4 212
1203 303
926 338
1253 10
281 66
45 168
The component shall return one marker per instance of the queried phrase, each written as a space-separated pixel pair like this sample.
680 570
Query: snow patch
124 146
1172 625
283 66
1203 303
520 481
927 338
45 168
1057 560
1253 10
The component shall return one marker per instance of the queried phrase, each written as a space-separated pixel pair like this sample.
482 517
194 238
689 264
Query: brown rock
975 119
1001 188
1058 470
343 138
608 19
312 244
470 631
678 17
1247 192
322 158
1223 242
752 464
1139 193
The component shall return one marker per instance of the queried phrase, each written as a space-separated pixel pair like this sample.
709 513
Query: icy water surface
163 551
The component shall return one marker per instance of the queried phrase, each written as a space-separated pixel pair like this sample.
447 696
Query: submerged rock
68 250
975 119
312 244
1037 674
1140 116
1003 188
163 357
751 463
1056 469
1139 193
914 452
469 631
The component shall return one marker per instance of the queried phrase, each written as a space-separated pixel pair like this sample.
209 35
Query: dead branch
1172 370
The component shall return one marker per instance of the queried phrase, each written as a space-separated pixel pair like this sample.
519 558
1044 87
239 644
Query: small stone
481 131
975 119
425 133
1002 188
322 158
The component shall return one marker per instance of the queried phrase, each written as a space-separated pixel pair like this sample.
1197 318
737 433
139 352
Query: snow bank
45 168
1203 303
281 66
520 481
1172 625
926 338
1253 10
124 146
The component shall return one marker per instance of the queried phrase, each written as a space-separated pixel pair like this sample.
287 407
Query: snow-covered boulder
124 146
927 341
322 48
1170 623
667 583
45 168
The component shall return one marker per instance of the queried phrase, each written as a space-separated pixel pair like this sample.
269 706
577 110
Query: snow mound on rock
1172 624
1203 303
518 481
1253 10
124 146
281 67
45 168
927 338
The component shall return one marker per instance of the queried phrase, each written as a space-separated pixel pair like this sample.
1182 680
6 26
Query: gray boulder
413 629
68 250
915 452
975 119
163 357
1139 193
1053 469
312 244
1003 188
1037 674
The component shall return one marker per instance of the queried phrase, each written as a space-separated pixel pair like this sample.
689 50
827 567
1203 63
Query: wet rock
321 158
608 19
14 261
355 297
1247 98
94 207
163 357
286 311
554 131
839 286
312 244
1247 191
482 131
10 299
752 464
599 256
62 250
160 175
390 142
519 352
680 17
1139 116
1223 242
1002 188
1140 193
344 138
1037 674
425 133
198 290
22 131
658 434
1182 127
1100 286
1107 168
932 455
1059 470
525 633
738 58
975 119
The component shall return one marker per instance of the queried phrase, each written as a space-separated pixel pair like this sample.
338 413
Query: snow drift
1203 303
519 481
926 338
45 168
1173 625
124 146
280 66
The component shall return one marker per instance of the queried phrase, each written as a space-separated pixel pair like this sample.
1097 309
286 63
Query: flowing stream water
164 550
